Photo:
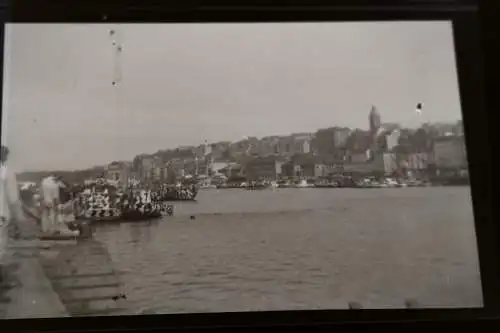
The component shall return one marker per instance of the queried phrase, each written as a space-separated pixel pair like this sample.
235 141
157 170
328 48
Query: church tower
374 120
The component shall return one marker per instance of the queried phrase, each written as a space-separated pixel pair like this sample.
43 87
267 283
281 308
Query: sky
182 84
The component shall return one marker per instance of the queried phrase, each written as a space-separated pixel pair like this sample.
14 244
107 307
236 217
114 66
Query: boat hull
257 188
180 195
135 214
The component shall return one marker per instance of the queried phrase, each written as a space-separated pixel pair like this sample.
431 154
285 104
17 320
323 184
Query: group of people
55 205
59 204
104 202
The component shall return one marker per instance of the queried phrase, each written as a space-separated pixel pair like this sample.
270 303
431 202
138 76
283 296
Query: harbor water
286 249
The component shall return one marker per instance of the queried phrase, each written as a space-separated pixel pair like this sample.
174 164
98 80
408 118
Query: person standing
55 207
10 204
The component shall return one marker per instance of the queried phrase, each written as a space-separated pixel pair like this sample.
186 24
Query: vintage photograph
188 168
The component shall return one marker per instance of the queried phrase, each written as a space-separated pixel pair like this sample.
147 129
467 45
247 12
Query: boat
178 193
208 187
391 182
95 205
105 202
284 184
228 186
303 184
326 184
257 186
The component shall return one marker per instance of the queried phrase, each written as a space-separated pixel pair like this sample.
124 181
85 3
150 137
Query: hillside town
382 149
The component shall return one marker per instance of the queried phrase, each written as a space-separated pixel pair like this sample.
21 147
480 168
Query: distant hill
69 176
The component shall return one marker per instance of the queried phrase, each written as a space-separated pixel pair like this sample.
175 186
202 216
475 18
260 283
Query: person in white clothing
53 210
10 204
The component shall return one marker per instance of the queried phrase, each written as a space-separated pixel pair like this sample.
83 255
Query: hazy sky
186 83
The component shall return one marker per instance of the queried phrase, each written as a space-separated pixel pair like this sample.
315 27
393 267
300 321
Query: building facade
330 141
450 152
390 162
359 156
391 139
263 168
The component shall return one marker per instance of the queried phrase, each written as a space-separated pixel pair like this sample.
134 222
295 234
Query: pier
59 279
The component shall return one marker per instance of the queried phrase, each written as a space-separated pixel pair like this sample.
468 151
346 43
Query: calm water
301 249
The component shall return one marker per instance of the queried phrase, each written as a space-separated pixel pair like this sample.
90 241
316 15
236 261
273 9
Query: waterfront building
285 146
218 166
390 139
219 149
231 170
310 166
450 152
288 170
293 144
146 167
390 127
235 170
332 166
330 141
239 148
359 155
421 141
268 146
157 170
458 129
418 161
114 170
302 146
357 141
313 170
362 169
260 168
390 163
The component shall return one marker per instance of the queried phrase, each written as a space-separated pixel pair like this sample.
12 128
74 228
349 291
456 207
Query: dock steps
84 278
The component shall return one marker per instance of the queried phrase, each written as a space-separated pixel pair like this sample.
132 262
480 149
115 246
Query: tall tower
374 120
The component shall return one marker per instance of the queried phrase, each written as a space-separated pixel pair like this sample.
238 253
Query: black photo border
476 100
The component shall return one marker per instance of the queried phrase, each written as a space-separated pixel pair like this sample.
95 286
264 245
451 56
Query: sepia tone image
186 168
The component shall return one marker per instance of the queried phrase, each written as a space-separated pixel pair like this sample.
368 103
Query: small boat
391 182
208 187
179 193
228 186
303 184
284 184
326 184
257 186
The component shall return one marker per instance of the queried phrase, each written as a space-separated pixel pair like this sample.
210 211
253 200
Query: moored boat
257 186
326 184
303 184
208 187
178 193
